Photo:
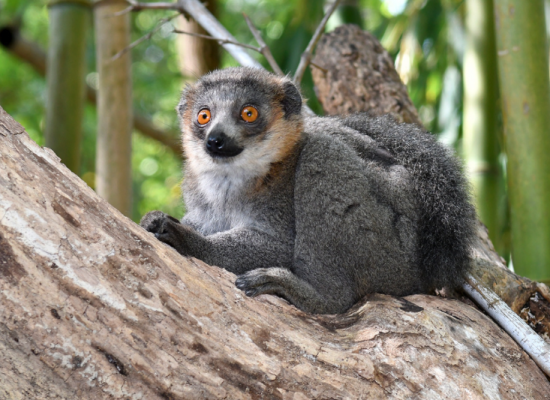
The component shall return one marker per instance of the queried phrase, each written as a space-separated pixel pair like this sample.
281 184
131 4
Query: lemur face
240 115
228 117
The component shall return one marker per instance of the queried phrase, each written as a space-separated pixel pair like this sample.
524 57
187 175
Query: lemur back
319 211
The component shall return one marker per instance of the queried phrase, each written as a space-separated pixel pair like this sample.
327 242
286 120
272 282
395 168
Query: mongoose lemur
319 211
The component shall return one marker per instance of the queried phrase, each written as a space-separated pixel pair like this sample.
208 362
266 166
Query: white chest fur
217 202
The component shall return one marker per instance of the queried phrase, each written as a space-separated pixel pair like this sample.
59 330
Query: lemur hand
167 229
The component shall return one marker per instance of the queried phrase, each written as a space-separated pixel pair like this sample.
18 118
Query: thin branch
527 338
264 48
144 38
124 12
219 40
210 24
135 6
318 67
308 53
204 18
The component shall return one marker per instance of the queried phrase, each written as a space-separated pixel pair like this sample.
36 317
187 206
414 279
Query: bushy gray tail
447 217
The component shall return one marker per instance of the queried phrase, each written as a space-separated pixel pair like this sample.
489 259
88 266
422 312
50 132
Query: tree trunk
525 95
196 56
94 307
114 106
357 74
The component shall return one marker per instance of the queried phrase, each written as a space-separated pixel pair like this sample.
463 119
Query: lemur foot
167 229
283 283
264 281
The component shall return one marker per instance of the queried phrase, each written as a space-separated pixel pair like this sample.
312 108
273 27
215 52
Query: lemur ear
292 101
180 108
182 105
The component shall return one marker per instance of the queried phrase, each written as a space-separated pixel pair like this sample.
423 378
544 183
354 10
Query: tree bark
358 76
94 307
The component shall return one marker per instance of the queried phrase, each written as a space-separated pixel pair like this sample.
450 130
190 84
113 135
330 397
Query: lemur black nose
218 144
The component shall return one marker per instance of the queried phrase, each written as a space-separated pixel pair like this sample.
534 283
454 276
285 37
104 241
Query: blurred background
446 56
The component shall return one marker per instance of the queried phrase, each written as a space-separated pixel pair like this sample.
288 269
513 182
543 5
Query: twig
264 48
219 40
305 59
144 37
318 67
205 19
135 6
527 338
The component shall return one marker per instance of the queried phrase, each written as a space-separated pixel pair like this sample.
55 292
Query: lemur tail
447 217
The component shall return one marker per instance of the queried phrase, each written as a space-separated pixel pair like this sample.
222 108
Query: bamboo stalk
525 88
114 106
66 80
481 146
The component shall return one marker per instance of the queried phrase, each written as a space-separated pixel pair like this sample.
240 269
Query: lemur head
240 117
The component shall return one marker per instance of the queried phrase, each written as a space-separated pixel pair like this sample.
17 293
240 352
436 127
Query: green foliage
424 35
22 90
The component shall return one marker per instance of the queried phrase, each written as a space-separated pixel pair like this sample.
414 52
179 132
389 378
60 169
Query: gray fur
358 205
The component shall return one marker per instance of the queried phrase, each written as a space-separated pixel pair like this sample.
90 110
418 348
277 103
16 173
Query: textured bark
94 307
360 76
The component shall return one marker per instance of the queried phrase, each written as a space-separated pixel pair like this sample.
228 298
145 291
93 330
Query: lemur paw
263 281
166 228
153 221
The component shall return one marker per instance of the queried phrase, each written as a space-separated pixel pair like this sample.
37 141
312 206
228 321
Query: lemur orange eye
204 116
249 114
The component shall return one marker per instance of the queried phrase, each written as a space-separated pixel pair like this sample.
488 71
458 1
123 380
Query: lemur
319 211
